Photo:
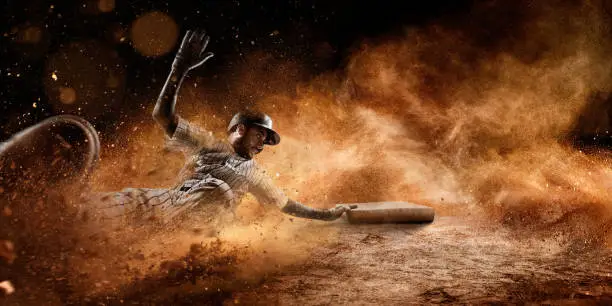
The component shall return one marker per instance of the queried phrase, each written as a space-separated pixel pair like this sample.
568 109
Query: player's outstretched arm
191 54
300 210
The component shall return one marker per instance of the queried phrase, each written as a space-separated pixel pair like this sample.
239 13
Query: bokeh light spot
87 78
67 95
31 40
30 35
106 5
154 34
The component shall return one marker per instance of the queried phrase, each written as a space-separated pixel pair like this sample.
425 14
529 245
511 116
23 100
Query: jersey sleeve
189 138
265 191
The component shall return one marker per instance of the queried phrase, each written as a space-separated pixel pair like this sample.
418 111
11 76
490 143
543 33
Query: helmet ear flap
241 129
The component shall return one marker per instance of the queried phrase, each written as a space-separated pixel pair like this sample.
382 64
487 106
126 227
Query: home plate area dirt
449 261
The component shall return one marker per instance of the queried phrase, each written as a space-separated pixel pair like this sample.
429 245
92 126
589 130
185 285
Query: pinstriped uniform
213 174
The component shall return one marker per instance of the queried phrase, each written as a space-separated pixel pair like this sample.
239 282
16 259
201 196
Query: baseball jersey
213 174
213 160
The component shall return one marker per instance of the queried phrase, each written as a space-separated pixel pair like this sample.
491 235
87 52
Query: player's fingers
202 35
205 41
192 34
205 56
186 37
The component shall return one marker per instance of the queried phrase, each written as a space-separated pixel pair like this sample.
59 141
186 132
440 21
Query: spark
7 287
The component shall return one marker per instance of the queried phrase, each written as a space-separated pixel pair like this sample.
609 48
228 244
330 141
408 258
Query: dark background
285 29
292 29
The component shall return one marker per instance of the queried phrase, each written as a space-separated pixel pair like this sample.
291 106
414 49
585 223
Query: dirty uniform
213 175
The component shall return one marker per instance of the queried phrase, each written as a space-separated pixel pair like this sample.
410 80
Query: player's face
253 140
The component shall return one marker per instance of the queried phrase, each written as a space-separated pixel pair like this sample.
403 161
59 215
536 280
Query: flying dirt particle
154 34
54 76
7 287
7 211
139 256
172 265
55 161
118 33
196 248
7 250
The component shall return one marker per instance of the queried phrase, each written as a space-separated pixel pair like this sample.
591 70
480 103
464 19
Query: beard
243 148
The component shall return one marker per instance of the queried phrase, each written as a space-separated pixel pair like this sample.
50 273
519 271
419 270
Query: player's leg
132 205
198 196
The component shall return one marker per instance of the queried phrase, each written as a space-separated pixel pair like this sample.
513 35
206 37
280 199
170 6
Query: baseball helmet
250 118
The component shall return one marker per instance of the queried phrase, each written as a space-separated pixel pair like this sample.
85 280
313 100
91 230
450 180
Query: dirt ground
456 260
451 260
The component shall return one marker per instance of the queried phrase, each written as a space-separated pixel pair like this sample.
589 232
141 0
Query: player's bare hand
192 52
338 211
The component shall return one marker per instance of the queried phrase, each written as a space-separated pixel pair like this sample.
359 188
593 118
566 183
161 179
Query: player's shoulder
252 168
216 146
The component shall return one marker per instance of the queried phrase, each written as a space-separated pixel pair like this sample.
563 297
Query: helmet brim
273 137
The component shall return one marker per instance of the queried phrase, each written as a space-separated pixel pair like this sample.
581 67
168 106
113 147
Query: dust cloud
469 118
462 115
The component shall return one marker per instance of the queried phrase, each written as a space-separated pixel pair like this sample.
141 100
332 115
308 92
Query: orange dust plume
465 116
471 115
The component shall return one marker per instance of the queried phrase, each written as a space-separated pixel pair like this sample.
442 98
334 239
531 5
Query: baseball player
218 172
